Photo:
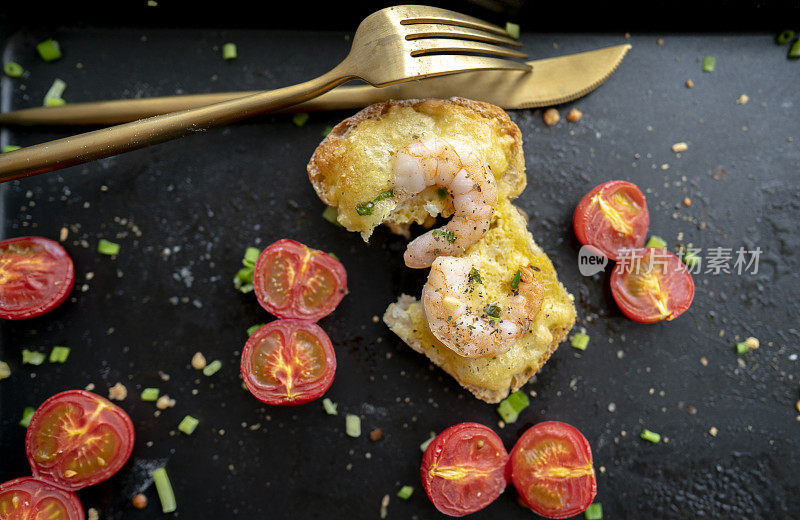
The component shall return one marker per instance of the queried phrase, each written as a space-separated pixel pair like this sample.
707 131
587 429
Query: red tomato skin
559 430
436 450
288 325
123 428
33 485
55 249
294 309
586 229
620 294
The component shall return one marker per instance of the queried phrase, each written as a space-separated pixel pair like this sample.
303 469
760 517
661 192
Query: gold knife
551 82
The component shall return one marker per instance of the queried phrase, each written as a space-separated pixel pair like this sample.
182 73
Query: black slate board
206 197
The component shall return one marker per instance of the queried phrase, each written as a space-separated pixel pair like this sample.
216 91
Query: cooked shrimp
459 168
459 315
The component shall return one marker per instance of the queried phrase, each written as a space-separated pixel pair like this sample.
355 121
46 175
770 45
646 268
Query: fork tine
440 45
425 14
428 30
439 65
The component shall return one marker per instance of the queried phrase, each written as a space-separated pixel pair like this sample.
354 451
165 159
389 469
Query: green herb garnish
366 208
513 30
164 489
10 148
212 368
229 51
5 370
250 256
54 96
106 247
13 69
448 235
49 50
742 348
510 407
493 310
709 62
656 242
253 328
651 436
794 51
59 354
331 214
594 512
150 394
27 413
352 425
300 119
580 341
442 193
330 407
188 424
516 280
475 276
31 357
405 492
784 37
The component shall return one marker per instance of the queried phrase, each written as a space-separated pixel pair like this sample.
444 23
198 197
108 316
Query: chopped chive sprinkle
10 148
656 242
742 348
594 512
331 214
250 256
54 96
328 129
5 370
580 341
13 69
352 425
27 413
516 280
150 394
405 492
507 412
510 407
300 119
784 37
475 276
330 407
794 51
493 310
388 194
442 193
188 425
106 247
709 62
212 368
512 29
31 357
426 443
365 208
59 354
252 329
650 436
54 102
691 259
243 281
229 51
164 489
450 236
49 50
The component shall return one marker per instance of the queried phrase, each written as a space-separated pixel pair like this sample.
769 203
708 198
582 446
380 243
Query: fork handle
81 148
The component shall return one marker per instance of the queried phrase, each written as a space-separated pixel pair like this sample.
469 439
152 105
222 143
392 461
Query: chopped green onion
450 236
784 37
580 341
510 407
243 281
742 348
188 425
31 357
106 247
691 259
229 51
300 119
426 443
27 413
594 512
250 256
650 436
794 51
59 354
150 394
512 29
54 96
405 492
212 368
475 276
252 329
352 425
656 242
49 50
331 214
519 401
330 407
333 255
388 194
365 208
328 129
709 62
164 489
10 148
516 280
442 193
507 412
493 310
13 69
5 370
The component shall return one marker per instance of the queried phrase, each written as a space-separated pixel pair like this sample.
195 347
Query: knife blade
551 82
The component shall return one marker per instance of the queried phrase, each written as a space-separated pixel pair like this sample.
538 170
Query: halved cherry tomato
77 438
612 217
36 276
294 281
463 469
551 467
651 285
288 362
29 498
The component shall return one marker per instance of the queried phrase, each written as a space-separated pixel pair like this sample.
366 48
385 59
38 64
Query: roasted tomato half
551 467
463 469
77 438
29 498
612 217
651 285
36 276
294 281
288 362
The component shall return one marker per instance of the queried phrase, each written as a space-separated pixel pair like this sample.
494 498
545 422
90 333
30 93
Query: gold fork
393 45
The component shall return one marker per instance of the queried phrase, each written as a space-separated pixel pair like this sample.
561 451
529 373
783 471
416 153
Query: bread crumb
743 99
92 514
376 434
551 116
63 234
704 361
680 147
797 405
118 392
752 343
384 506
574 115
713 431
139 501
198 361
165 402
660 42
689 83
687 201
